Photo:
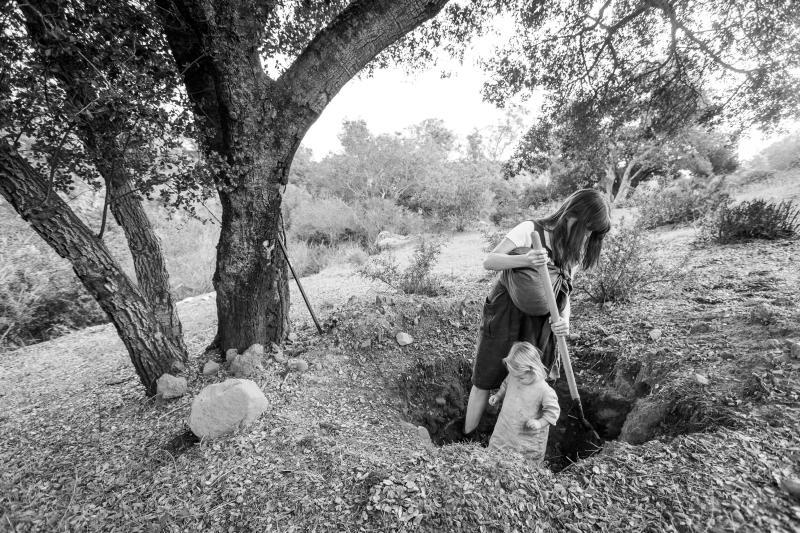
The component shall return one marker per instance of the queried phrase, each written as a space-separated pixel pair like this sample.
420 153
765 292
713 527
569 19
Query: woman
515 309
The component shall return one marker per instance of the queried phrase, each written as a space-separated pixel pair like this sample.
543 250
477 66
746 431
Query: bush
40 297
627 265
756 219
492 236
308 259
381 214
684 200
326 220
417 278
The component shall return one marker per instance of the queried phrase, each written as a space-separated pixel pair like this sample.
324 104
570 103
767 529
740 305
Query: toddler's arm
497 397
550 411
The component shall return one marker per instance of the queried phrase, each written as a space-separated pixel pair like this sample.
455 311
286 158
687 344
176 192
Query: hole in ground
435 393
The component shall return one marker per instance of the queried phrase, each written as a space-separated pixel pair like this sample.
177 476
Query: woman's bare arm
498 259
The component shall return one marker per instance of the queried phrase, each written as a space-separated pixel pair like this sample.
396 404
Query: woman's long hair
592 213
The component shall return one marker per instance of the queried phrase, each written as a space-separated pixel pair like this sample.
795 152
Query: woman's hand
560 326
493 400
537 258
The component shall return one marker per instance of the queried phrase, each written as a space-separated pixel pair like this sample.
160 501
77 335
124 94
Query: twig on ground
71 498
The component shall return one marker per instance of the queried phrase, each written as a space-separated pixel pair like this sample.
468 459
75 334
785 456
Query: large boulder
224 407
169 386
387 240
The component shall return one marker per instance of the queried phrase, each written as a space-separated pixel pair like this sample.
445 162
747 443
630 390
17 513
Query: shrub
40 297
684 200
492 236
417 278
308 259
627 265
756 219
381 214
326 220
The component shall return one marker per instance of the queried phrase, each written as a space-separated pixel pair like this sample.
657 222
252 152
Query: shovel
562 342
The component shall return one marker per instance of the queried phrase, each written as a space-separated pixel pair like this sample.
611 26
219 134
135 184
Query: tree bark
256 125
148 257
152 352
42 19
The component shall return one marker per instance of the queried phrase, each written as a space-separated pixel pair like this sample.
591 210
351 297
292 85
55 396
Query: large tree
625 78
253 122
89 93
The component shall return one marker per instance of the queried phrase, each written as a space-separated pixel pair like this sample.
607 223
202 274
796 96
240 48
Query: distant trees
420 170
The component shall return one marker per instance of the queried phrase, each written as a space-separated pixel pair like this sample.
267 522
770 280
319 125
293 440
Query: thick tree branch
362 31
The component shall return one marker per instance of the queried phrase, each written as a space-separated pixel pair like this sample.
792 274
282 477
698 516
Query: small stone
292 337
700 327
774 343
231 354
404 339
365 344
440 401
574 336
794 349
246 365
701 379
280 356
424 436
655 334
224 407
169 386
792 486
256 349
611 340
210 368
296 364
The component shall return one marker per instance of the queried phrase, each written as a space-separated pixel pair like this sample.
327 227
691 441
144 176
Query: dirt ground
712 437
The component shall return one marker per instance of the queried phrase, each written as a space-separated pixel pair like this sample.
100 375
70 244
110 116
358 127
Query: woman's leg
478 398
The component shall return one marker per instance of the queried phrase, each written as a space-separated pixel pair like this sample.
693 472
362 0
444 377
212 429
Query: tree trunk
624 183
109 159
148 257
251 278
151 352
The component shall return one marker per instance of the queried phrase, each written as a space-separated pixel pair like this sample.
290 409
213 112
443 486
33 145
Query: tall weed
628 264
416 278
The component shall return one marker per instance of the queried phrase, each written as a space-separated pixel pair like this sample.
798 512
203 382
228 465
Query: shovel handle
547 285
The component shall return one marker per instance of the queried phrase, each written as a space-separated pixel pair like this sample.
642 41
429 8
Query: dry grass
83 450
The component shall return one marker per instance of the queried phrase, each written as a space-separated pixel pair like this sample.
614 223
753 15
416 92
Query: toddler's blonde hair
525 359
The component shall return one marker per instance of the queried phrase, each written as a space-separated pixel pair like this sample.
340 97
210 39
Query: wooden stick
300 286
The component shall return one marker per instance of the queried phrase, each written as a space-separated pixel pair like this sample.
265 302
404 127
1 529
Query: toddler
530 405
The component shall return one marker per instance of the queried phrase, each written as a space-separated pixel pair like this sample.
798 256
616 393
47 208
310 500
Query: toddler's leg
478 398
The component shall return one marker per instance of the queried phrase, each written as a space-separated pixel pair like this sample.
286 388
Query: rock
169 386
574 336
280 356
792 486
611 340
224 407
794 349
700 327
365 344
387 240
295 364
246 365
763 313
774 343
701 379
655 334
292 337
404 338
210 368
231 354
256 349
424 436
440 401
